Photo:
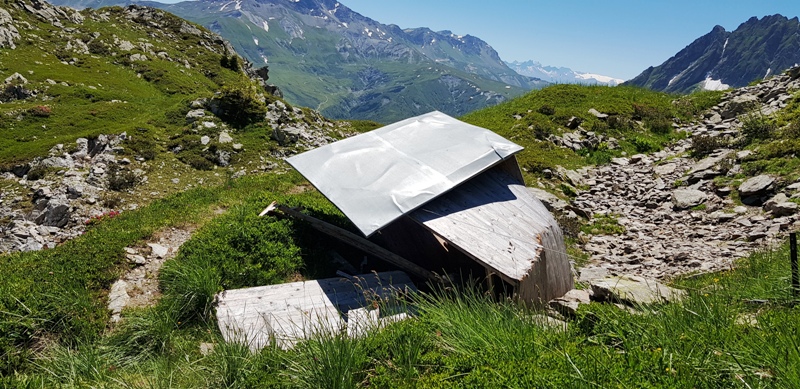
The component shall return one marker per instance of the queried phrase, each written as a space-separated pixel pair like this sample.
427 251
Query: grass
604 225
639 119
715 337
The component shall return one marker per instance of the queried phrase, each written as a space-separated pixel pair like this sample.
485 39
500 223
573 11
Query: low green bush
240 105
756 126
703 145
120 178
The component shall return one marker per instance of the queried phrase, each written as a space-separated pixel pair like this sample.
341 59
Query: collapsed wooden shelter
445 194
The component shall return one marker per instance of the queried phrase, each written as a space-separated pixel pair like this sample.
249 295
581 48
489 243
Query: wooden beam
355 241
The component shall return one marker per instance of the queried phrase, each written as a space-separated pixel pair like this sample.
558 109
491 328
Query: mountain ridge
560 74
326 56
720 59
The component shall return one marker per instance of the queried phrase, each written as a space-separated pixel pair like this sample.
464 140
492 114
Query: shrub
620 123
756 126
142 146
600 126
546 110
98 48
120 178
111 201
570 225
703 145
660 125
36 173
541 131
41 111
791 131
231 62
198 162
643 145
240 105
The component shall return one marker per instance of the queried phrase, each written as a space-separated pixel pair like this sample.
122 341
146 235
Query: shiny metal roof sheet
378 176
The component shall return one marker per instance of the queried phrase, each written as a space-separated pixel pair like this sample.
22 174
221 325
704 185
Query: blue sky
617 38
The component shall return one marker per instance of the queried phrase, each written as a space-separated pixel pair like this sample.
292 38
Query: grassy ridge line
643 121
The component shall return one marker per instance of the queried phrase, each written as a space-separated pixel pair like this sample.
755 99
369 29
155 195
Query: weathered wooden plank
487 219
289 312
499 223
358 242
328 286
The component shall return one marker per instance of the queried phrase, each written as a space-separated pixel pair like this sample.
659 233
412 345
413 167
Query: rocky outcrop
676 219
62 203
8 32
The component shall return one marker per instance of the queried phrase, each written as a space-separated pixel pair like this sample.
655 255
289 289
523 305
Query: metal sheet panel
376 177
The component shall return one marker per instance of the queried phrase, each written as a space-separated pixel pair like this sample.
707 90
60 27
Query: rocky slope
677 218
76 146
721 59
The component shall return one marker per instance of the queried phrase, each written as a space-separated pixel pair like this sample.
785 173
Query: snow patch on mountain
265 25
711 84
599 78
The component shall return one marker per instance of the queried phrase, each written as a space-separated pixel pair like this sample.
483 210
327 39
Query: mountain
721 59
325 56
560 75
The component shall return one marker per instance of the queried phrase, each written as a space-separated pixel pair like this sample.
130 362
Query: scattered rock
568 304
687 198
756 186
224 137
634 290
158 250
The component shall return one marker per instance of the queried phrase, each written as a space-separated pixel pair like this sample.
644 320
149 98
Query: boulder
598 114
634 290
118 298
667 168
687 198
138 57
568 304
55 215
286 136
574 122
780 206
194 115
224 137
159 251
551 202
739 105
756 186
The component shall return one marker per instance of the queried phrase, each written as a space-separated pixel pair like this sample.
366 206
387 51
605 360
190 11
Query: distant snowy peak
560 75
